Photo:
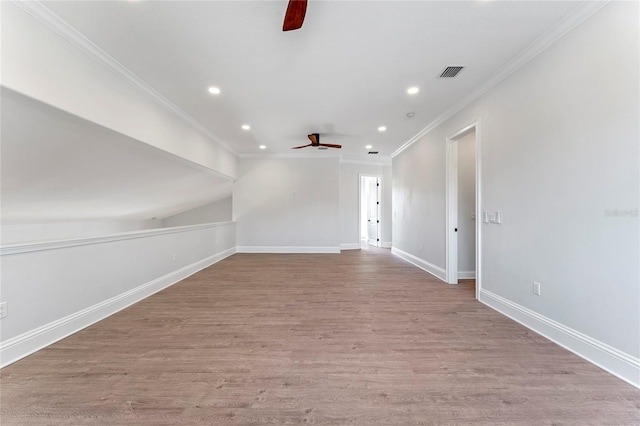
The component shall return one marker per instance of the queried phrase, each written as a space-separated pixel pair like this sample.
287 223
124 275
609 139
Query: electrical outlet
174 257
3 310
536 288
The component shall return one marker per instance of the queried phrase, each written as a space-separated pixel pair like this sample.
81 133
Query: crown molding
373 162
543 42
380 161
315 155
43 14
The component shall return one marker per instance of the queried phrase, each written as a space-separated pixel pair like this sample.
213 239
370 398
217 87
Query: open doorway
370 211
463 230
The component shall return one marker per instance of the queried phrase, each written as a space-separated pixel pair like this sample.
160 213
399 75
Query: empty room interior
326 212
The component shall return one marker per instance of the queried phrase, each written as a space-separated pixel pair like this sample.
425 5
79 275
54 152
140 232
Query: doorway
370 210
463 207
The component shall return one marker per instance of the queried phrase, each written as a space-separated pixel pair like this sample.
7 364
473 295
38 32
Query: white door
470 180
373 211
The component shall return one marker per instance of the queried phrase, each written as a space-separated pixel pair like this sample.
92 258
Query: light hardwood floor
356 338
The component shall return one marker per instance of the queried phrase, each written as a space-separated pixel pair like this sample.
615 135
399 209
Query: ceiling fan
294 17
315 141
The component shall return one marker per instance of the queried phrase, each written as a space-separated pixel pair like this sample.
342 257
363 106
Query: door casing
361 176
452 204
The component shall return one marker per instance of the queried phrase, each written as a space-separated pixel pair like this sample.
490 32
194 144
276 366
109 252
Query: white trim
612 360
384 161
314 153
386 244
452 180
466 275
381 203
451 213
286 249
83 241
27 343
349 246
478 222
538 46
73 36
434 270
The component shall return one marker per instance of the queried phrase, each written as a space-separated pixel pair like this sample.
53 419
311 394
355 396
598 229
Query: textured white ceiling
58 167
343 74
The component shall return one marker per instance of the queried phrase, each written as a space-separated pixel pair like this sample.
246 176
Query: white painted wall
559 155
349 201
287 204
419 200
466 205
34 56
218 211
55 289
25 232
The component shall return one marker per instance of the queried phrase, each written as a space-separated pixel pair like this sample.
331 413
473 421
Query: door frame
380 200
452 204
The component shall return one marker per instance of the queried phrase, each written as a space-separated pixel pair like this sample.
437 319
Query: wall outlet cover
536 288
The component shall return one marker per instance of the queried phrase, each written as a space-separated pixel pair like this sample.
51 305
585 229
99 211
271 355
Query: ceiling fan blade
303 146
294 17
314 138
330 145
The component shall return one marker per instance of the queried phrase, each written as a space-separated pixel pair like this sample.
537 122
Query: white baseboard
32 341
614 361
466 275
434 270
286 249
350 246
386 244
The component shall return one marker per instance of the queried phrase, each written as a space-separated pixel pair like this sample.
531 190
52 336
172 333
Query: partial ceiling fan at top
315 141
294 17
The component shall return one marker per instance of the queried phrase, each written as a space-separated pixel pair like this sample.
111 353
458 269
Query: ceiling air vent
450 72
373 152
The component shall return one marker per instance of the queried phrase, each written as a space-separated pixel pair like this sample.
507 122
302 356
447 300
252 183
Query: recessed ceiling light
413 90
262 147
382 129
246 127
368 146
214 90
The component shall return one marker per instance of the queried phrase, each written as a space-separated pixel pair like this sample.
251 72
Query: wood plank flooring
356 338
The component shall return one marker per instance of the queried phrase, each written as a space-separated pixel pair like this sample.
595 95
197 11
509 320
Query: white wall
24 232
218 211
40 63
287 204
559 153
349 201
419 201
466 205
55 289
